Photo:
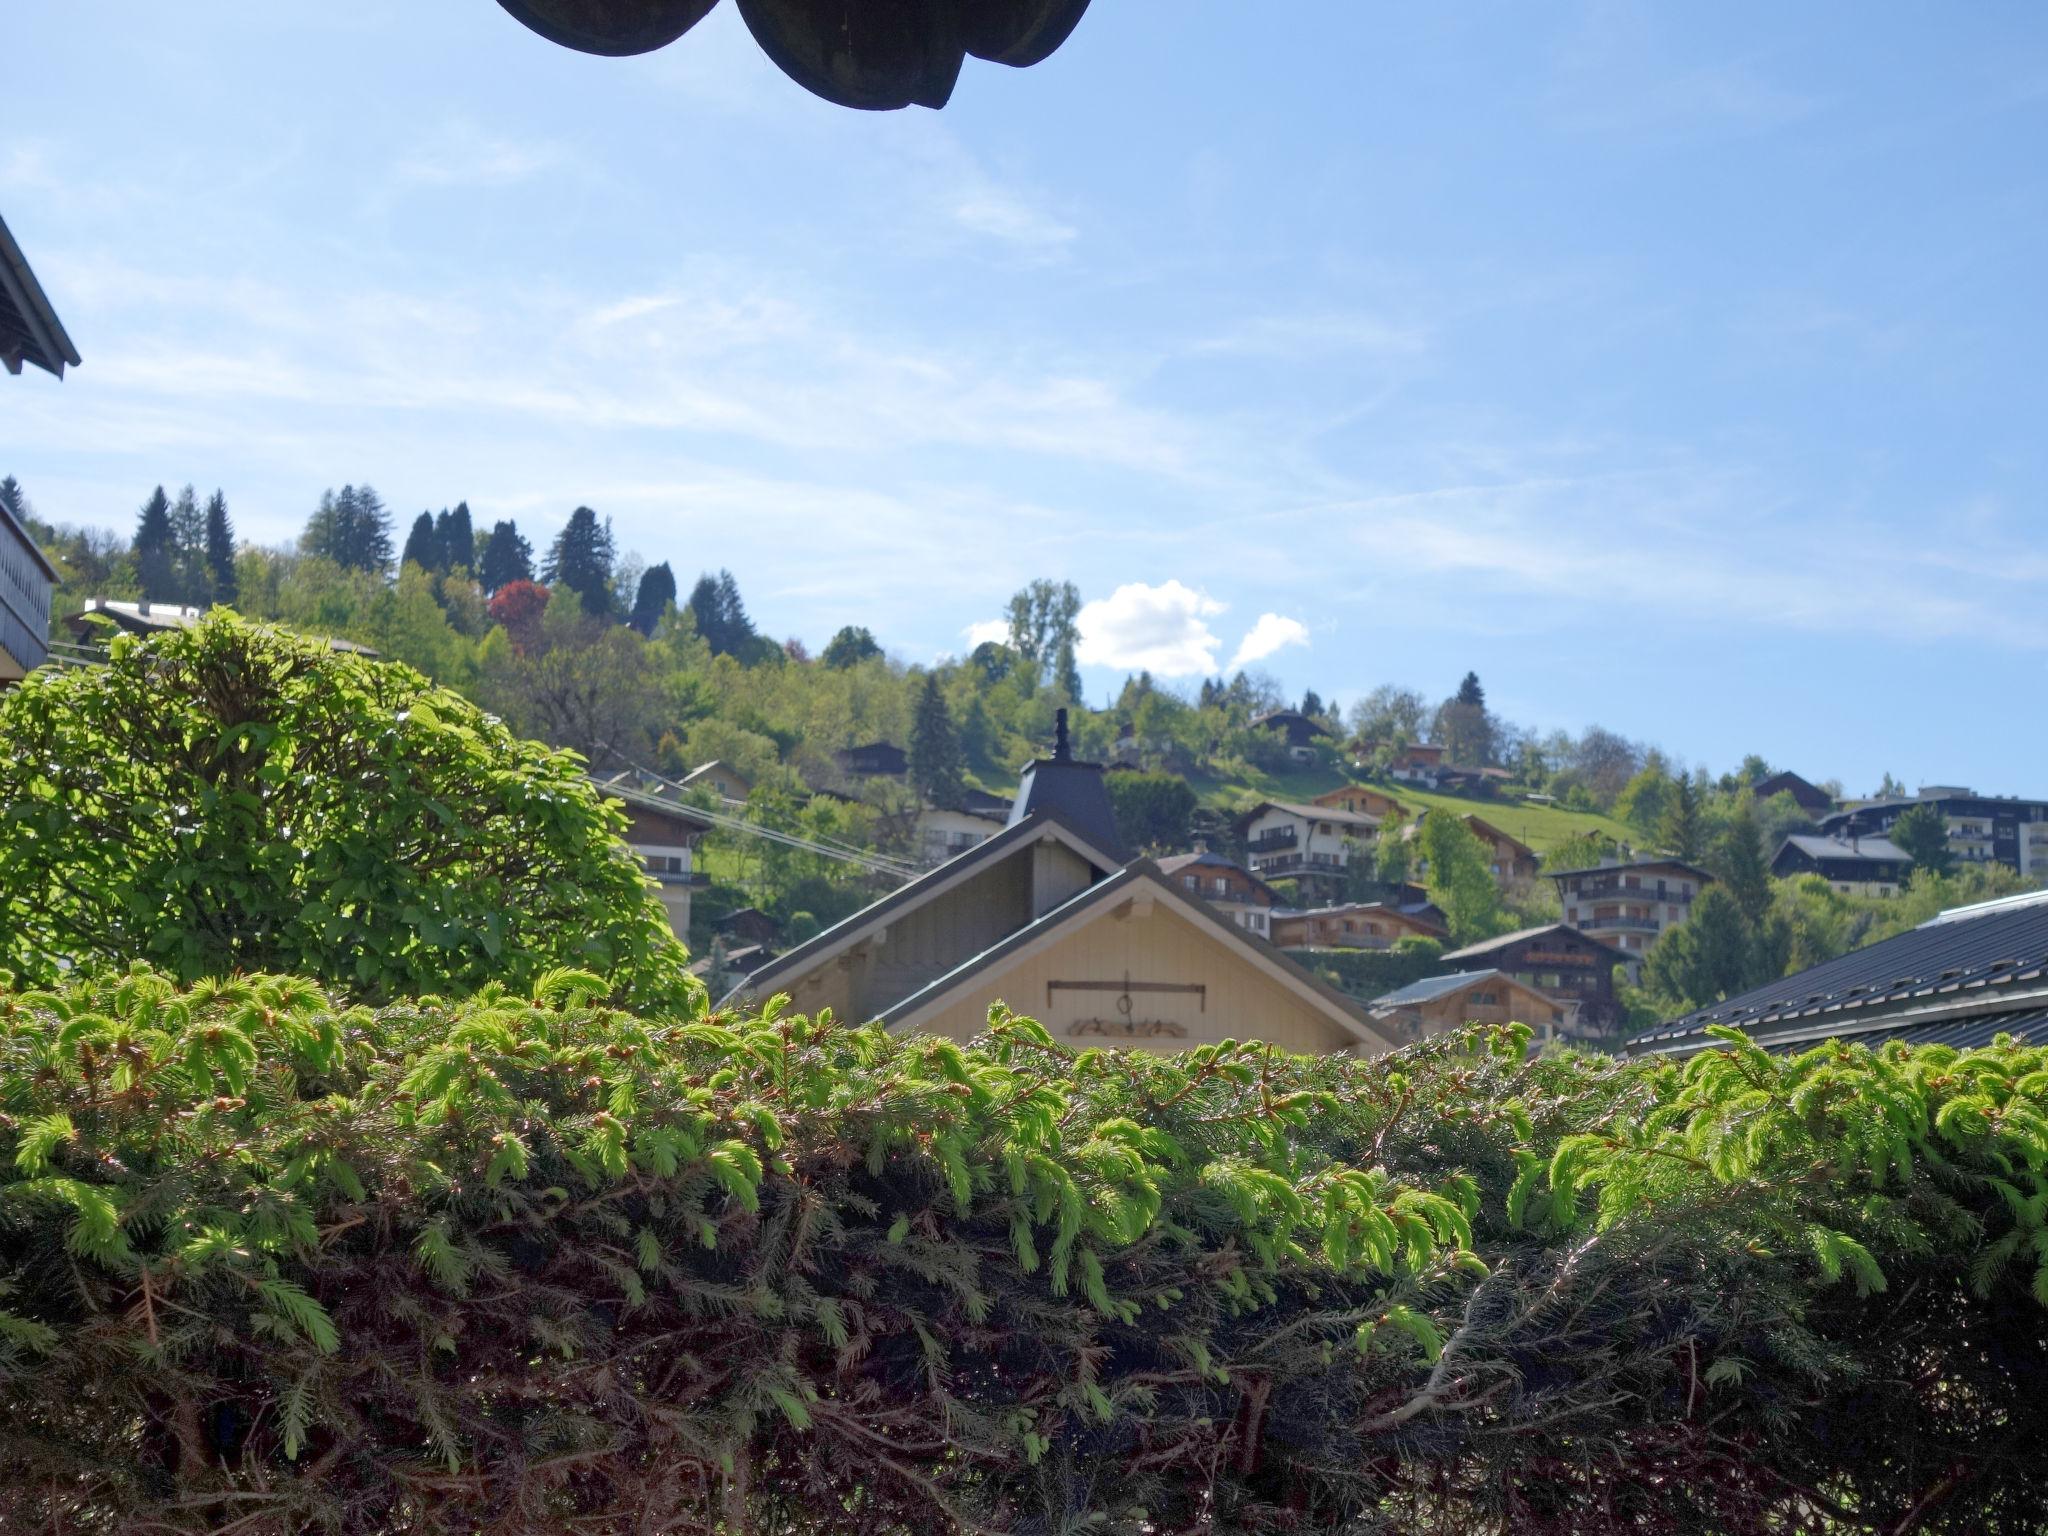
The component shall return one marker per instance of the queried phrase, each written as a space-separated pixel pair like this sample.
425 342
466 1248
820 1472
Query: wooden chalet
1439 1004
1351 925
1559 961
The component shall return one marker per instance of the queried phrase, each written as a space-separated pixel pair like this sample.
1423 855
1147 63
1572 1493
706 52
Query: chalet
748 925
721 778
1960 979
1810 798
1559 961
30 332
946 834
1982 829
1628 905
1302 731
1439 1004
1413 762
1050 918
1855 866
1227 886
147 618
979 802
1513 862
1311 844
1363 800
1352 925
874 760
664 833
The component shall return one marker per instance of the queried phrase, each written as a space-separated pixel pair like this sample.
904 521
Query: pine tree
581 559
351 528
156 550
220 552
455 538
1708 958
507 557
188 541
1680 831
15 500
937 767
854 644
657 592
422 545
1922 835
739 629
1469 691
1743 868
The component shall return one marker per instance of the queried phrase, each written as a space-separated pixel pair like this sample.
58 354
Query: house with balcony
1350 925
1627 905
1414 762
943 834
1227 886
1302 732
1855 866
1560 962
1982 829
1310 844
663 833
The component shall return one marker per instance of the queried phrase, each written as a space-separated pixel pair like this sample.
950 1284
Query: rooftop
30 331
1982 965
1430 988
1522 935
1868 850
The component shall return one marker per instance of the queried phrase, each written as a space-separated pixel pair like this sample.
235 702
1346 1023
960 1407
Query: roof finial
1062 749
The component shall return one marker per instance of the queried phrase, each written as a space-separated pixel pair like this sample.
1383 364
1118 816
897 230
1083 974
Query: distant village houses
1310 844
1855 866
1562 963
1982 829
1629 904
1439 1004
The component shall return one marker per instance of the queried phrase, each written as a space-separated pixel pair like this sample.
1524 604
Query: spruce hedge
527 1264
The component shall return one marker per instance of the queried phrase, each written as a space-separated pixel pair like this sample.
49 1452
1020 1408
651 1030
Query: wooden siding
1139 942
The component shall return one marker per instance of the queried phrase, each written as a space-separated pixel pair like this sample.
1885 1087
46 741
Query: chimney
142 606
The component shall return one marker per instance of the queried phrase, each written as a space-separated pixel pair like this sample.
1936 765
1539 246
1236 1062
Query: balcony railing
1631 924
1609 890
1284 837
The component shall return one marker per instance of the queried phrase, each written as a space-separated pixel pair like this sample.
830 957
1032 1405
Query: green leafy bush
228 798
276 1265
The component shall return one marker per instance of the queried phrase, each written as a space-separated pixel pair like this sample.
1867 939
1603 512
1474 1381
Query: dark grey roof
1637 865
1430 988
1350 1012
30 331
1865 850
1508 940
1975 963
1310 813
1075 790
928 884
1209 860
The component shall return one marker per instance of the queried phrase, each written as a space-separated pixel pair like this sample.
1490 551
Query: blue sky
1676 368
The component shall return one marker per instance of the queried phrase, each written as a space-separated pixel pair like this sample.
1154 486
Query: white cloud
987 630
1159 629
1272 633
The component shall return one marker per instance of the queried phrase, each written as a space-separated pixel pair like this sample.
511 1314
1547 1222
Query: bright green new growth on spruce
529 1264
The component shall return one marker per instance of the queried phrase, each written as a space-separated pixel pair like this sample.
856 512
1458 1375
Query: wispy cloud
1271 635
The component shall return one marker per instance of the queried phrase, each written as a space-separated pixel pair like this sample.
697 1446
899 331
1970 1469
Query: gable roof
1866 850
1803 791
1309 813
1430 988
1636 867
639 799
933 883
1497 833
1328 797
1976 964
1109 894
1508 941
1207 860
1414 917
30 331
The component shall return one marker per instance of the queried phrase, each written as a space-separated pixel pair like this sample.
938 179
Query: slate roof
1430 988
1309 813
1868 850
1520 935
1634 868
1976 969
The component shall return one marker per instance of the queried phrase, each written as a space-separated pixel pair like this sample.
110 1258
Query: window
1222 886
1485 999
1191 882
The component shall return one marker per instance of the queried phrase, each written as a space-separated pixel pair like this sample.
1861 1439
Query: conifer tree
1922 835
1748 877
156 550
721 616
220 552
581 560
854 644
657 592
937 767
455 538
507 557
15 500
188 539
1469 691
1680 830
352 528
1067 676
422 545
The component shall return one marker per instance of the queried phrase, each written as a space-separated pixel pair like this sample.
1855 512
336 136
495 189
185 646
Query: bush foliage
270 1264
228 798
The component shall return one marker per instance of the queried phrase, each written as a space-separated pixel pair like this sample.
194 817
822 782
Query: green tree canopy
1460 878
1042 620
854 644
422 545
581 560
352 528
937 769
225 587
507 557
1154 811
1680 831
1922 835
226 798
455 538
156 550
656 595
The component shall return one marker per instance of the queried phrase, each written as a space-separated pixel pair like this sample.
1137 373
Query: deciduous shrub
275 1265
227 798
